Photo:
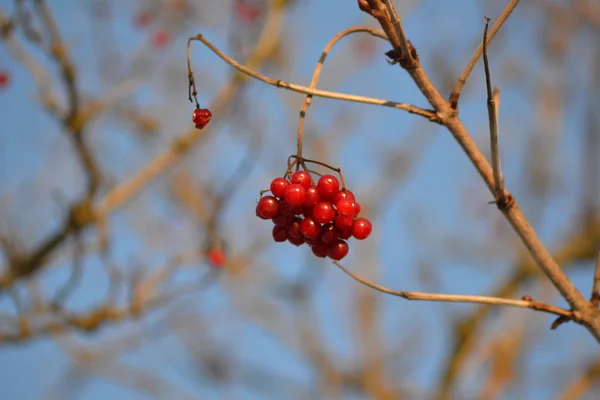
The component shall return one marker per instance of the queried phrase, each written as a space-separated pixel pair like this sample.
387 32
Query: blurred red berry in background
143 19
4 79
246 13
216 258
161 38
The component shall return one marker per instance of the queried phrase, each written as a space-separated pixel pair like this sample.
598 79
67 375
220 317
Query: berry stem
192 92
316 76
299 160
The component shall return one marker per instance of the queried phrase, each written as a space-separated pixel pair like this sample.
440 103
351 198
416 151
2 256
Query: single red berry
293 229
247 13
345 233
280 234
302 178
319 249
323 212
312 196
357 209
296 241
161 38
143 18
216 257
267 207
4 79
328 186
361 228
278 186
329 234
345 207
307 212
337 250
309 228
343 194
311 241
282 220
289 211
201 117
343 222
294 194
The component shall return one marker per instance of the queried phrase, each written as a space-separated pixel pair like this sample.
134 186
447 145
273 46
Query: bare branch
390 22
595 298
493 121
429 114
317 73
457 298
511 210
471 64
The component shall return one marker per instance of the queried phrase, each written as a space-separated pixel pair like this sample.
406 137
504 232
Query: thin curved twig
471 64
429 114
493 120
319 67
458 298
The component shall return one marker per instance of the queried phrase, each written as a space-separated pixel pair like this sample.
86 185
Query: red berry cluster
322 215
201 117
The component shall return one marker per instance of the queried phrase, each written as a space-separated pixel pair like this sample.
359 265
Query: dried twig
471 64
595 298
493 121
317 73
429 114
457 298
589 317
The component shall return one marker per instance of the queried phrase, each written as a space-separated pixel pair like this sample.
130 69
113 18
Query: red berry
307 212
4 79
343 194
278 186
311 241
287 210
356 209
343 222
319 249
201 117
329 234
296 241
361 228
267 207
216 257
328 186
323 212
247 13
312 196
294 194
282 220
161 38
293 229
337 250
345 233
280 234
302 178
143 18
309 228
345 207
